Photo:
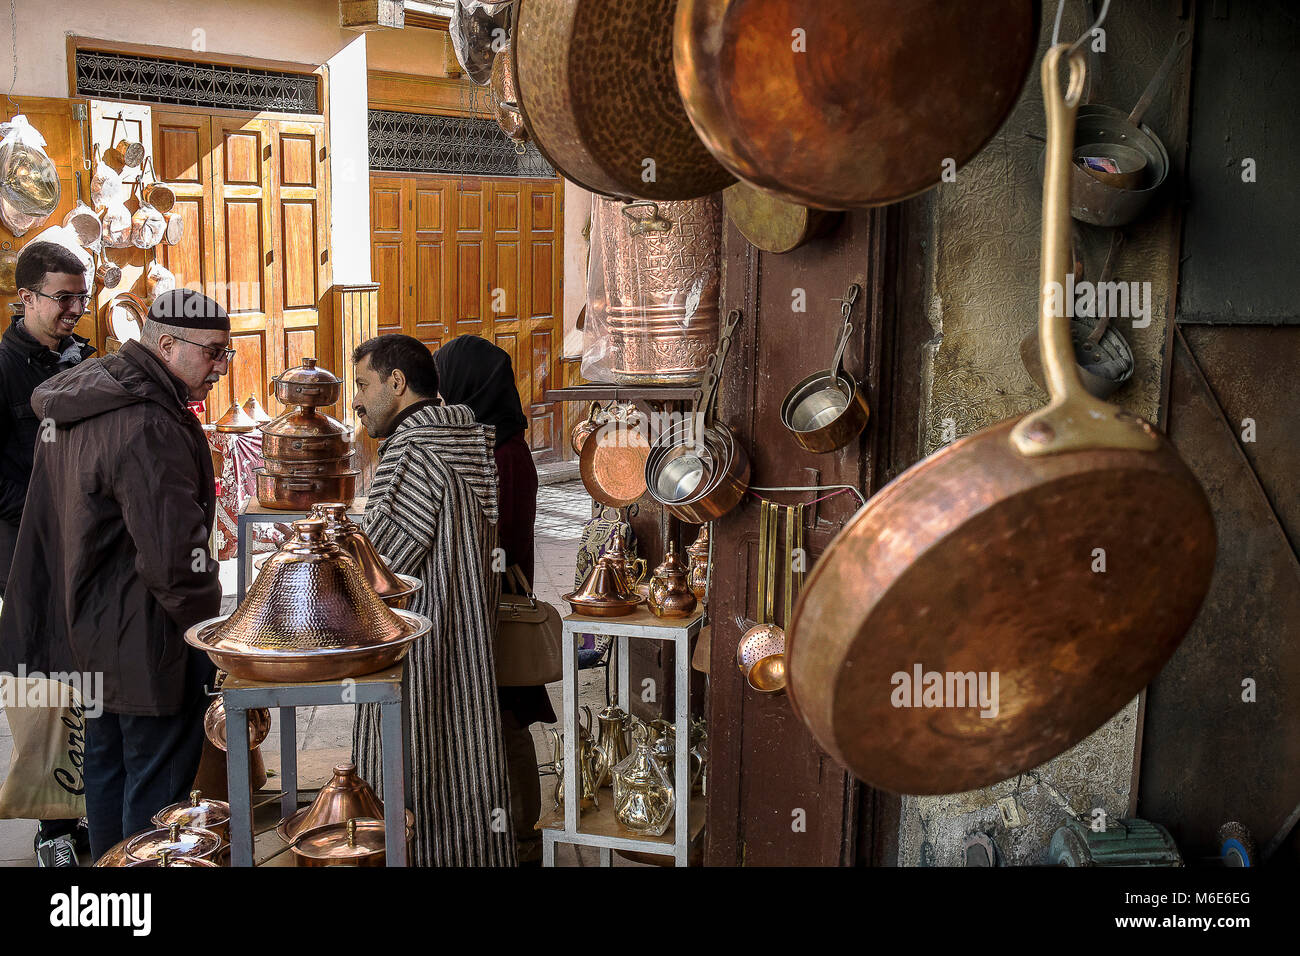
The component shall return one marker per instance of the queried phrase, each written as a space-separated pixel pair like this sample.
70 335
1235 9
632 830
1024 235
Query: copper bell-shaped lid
602 594
310 595
346 795
176 840
198 812
347 534
699 548
236 420
254 410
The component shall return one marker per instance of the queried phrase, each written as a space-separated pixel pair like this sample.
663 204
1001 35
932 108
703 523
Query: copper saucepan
828 409
1044 568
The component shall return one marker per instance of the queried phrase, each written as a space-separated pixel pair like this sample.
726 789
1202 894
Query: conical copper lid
235 420
602 593
254 410
198 812
347 534
700 547
310 596
346 796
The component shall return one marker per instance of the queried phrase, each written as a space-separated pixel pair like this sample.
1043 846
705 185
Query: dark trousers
525 787
135 766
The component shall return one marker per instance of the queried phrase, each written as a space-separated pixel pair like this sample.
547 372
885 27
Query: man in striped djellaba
432 512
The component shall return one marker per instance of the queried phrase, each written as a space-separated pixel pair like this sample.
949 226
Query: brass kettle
670 590
587 765
611 742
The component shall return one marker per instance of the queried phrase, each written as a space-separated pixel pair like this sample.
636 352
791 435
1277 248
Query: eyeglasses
65 299
215 352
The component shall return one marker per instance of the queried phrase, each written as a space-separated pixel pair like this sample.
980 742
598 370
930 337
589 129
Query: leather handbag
529 636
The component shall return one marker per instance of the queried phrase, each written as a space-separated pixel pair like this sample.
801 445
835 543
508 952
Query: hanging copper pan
612 460
1065 553
844 103
599 99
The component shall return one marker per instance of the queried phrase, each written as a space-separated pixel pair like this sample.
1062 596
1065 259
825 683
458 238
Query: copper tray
303 665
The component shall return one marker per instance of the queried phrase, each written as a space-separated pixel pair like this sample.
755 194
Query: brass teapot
611 742
670 590
587 765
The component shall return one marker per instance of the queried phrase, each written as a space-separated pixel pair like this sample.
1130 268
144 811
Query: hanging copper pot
347 795
395 589
309 616
600 100
505 99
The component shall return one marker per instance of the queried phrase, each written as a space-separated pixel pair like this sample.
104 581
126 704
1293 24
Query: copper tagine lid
602 593
254 410
347 534
176 840
358 842
236 420
346 796
199 813
310 596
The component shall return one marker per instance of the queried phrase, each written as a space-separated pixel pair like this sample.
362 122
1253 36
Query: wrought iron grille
426 143
123 76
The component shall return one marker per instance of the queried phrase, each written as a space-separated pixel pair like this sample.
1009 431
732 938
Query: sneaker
57 851
81 839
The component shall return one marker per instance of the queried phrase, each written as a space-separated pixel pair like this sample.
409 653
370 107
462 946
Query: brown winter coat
111 563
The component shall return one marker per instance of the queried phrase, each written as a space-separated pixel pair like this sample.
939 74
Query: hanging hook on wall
1083 37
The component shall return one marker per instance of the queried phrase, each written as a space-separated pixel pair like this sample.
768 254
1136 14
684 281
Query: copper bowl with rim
309 616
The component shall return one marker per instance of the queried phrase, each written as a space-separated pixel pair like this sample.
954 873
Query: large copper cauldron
661 270
309 616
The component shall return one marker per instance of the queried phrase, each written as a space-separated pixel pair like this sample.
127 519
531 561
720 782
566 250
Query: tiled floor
561 511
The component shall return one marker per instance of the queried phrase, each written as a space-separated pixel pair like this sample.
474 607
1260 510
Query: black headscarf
474 372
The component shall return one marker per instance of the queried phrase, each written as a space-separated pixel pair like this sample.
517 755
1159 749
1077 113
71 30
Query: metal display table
598 827
254 513
383 688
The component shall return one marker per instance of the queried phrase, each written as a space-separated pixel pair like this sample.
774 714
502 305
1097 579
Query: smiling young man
38 344
432 512
112 560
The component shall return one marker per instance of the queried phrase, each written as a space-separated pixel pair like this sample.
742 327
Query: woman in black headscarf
474 372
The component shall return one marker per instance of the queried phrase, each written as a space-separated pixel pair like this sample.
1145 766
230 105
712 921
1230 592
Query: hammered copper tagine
309 616
395 589
604 593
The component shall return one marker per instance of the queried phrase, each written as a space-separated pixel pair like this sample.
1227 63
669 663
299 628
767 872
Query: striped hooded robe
432 511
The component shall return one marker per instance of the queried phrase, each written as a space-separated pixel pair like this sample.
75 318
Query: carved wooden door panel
243 186
429 258
388 216
472 303
540 311
183 158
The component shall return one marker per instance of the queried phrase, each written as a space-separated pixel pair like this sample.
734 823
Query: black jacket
112 559
24 364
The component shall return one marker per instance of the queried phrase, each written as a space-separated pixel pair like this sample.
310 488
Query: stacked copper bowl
310 616
307 452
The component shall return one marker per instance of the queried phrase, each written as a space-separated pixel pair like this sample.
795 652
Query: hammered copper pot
304 434
662 286
301 492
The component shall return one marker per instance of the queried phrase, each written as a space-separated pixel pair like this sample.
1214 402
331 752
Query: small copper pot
304 434
214 725
358 842
176 840
197 813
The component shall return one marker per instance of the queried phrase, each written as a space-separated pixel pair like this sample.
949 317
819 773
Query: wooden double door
456 256
253 195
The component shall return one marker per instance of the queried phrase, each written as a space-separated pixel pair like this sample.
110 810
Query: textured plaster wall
982 276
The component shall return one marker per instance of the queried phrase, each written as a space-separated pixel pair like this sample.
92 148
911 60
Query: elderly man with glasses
112 563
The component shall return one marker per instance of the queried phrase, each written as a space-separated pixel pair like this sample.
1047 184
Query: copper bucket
661 270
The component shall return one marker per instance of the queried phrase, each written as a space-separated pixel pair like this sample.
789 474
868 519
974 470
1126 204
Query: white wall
296 31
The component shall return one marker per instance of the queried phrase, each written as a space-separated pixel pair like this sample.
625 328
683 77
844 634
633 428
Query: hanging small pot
83 220
117 226
108 275
159 280
147 224
175 228
157 194
106 185
114 157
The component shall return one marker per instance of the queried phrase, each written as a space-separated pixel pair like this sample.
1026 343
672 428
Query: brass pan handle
1073 420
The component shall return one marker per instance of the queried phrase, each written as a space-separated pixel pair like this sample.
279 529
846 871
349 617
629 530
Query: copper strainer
309 616
760 654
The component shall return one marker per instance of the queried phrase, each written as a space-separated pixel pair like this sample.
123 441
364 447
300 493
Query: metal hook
1083 37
